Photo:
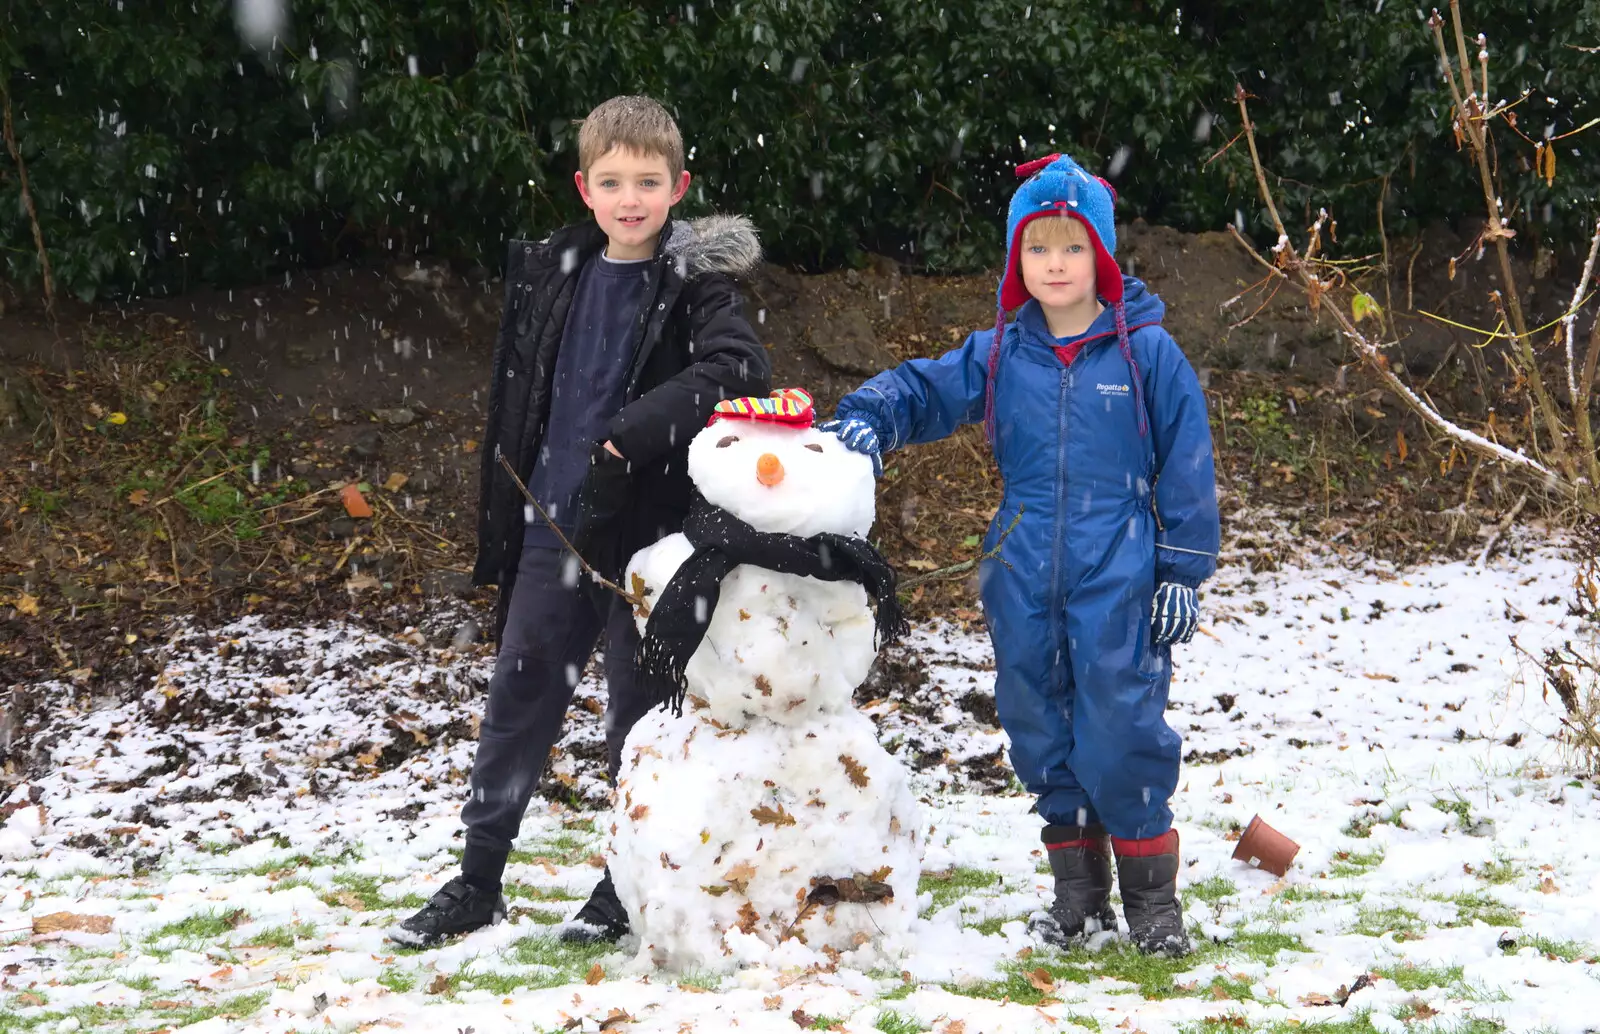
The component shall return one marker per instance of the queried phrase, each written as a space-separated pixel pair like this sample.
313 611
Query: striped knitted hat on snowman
1055 186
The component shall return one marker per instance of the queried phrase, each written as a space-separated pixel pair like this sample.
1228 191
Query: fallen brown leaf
1041 980
739 876
768 816
396 482
855 770
596 974
58 921
748 918
439 985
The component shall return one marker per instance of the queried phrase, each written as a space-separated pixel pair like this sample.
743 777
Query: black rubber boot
1080 858
456 908
1147 871
602 917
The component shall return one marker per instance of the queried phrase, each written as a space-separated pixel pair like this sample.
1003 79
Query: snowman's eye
814 447
727 441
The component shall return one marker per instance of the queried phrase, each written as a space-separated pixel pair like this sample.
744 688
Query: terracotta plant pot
1263 847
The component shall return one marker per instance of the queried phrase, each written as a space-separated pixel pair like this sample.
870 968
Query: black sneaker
457 908
601 919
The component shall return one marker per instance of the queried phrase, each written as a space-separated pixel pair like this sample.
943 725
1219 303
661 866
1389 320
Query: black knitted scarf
679 619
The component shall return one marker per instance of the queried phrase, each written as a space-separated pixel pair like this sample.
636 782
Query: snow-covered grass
252 822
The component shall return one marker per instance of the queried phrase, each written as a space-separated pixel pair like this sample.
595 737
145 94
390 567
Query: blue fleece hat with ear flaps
1058 186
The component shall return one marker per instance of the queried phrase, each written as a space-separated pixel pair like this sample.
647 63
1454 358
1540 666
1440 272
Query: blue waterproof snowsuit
1080 688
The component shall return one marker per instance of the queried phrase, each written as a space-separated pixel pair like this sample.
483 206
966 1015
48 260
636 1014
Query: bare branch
965 565
27 202
1255 161
1572 313
599 578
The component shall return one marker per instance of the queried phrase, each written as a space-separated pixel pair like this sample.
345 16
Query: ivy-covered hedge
165 149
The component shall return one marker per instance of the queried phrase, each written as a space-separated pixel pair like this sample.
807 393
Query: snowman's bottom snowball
718 835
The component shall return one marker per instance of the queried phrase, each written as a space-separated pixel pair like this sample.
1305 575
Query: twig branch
1475 129
1571 318
1504 526
27 202
599 578
966 565
1288 262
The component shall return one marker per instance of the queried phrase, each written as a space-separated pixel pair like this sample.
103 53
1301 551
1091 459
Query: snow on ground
247 827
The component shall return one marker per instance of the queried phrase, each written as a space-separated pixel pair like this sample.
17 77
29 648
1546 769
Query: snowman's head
762 461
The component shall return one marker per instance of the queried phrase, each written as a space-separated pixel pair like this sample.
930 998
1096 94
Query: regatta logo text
1112 389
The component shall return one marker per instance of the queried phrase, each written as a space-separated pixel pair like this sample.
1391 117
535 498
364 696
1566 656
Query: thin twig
1255 162
1476 132
197 484
27 202
1505 526
1571 317
636 601
966 565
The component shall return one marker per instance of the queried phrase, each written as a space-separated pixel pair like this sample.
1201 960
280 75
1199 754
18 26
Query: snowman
757 818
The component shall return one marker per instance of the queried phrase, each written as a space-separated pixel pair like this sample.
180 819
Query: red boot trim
1086 845
1166 843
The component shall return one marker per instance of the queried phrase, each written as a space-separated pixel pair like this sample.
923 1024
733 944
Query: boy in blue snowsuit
1099 426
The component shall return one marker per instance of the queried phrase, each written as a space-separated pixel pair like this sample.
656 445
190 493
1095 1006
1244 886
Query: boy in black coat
618 339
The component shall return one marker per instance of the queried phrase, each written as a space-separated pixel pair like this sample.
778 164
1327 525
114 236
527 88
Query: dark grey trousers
552 627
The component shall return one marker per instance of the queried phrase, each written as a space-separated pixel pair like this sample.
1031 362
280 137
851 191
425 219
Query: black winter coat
693 348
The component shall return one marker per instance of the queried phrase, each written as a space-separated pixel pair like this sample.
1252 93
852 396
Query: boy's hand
1176 614
606 495
857 436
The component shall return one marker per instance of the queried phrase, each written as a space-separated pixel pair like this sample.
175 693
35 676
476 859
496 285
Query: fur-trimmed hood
725 244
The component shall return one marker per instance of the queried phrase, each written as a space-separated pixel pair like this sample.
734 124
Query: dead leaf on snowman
769 816
739 877
855 770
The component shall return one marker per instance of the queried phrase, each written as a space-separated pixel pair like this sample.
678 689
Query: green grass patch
825 1023
205 926
278 936
1264 946
1567 951
564 848
1418 978
400 981
301 861
495 983
1302 893
891 1022
1211 890
1358 1023
522 890
1497 872
1402 922
238 1007
542 916
1457 807
1360 826
567 962
946 889
1355 863
991 926
1476 906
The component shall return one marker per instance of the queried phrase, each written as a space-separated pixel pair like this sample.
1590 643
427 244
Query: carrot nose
768 470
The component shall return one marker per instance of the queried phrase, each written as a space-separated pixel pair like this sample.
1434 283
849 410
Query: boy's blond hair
1064 230
634 123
